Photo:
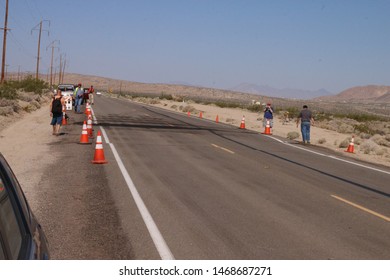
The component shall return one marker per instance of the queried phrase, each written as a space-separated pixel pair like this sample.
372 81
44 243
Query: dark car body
21 236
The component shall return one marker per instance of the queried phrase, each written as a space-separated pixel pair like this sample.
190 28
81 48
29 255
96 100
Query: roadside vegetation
25 95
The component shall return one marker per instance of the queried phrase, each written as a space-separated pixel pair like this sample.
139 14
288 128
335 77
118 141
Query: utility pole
52 44
63 70
39 44
4 41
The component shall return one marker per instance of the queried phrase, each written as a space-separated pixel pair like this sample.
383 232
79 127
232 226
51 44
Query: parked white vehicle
67 92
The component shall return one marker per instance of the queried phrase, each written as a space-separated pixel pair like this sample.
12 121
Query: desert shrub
5 111
16 107
154 101
166 96
365 135
345 143
255 108
30 84
174 107
292 135
179 98
224 104
380 140
369 147
358 141
188 108
365 128
322 116
8 92
359 117
380 152
6 102
321 141
29 108
344 128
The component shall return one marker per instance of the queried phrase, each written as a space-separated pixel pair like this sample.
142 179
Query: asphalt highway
202 190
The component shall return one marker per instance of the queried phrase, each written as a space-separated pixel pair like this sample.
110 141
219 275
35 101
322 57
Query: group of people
305 117
57 106
80 97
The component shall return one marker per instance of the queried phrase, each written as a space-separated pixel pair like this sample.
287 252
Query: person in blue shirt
79 99
268 115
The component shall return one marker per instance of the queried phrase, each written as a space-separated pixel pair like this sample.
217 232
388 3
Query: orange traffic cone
99 153
64 121
267 129
201 114
89 113
217 119
89 127
351 146
242 125
84 134
86 108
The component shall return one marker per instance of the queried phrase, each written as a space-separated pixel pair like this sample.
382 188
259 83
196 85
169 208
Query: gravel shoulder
25 143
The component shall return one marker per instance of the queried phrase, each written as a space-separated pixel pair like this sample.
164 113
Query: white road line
158 239
329 156
222 148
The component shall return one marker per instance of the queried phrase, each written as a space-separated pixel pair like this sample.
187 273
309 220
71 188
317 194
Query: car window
9 226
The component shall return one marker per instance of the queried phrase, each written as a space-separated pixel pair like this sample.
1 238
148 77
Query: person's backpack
56 106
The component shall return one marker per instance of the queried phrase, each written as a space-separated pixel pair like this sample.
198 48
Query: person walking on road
79 99
306 119
268 115
56 106
90 95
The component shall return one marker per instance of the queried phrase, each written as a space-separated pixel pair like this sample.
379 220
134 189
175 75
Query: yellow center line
362 208
222 148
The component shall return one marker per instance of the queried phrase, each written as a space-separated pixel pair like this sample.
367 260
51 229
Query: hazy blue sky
299 44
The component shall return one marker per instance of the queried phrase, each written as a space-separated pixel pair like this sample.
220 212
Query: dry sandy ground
25 143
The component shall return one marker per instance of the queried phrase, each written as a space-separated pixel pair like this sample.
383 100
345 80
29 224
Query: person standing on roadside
268 115
79 99
90 96
306 119
56 106
75 96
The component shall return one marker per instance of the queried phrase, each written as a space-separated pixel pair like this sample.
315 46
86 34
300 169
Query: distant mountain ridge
370 93
282 93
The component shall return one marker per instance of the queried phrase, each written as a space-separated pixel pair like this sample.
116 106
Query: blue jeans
305 129
77 105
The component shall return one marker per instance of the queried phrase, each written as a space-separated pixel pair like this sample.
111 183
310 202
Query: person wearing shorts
56 114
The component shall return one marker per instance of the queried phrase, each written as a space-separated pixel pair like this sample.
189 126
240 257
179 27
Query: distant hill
282 93
175 89
370 93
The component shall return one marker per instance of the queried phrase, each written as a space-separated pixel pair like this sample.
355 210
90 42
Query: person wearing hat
268 115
